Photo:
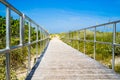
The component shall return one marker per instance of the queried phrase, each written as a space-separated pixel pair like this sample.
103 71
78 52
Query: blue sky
66 15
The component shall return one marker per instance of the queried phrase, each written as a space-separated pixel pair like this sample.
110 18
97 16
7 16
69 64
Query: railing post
40 41
113 46
7 43
37 44
95 43
84 41
47 38
29 34
21 29
29 48
29 63
7 66
43 41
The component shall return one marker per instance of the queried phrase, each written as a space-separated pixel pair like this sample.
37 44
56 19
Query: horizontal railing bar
95 41
11 7
116 44
27 44
2 51
89 40
19 13
11 48
15 47
113 22
104 24
29 19
104 42
82 40
74 39
44 30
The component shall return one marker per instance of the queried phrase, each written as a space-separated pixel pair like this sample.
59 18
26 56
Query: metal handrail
70 36
113 22
43 34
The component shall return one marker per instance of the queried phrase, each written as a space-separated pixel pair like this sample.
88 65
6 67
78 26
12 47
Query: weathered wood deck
62 62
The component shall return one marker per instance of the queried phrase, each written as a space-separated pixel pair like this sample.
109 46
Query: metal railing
82 35
43 38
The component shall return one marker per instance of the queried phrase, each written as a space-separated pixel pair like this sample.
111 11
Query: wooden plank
62 62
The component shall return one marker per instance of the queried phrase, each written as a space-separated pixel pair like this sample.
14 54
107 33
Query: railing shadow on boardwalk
30 75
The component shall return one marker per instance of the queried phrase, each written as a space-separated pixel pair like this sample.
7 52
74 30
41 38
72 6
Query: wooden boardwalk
62 62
